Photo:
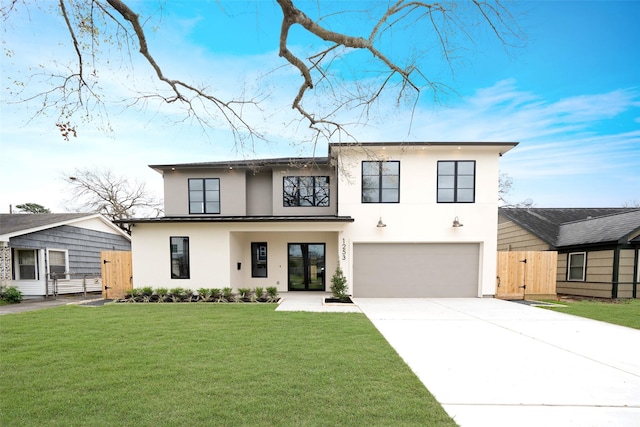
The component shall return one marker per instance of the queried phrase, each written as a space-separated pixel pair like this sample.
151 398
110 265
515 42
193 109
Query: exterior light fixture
381 224
456 223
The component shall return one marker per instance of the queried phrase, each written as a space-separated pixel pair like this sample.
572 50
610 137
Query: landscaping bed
214 295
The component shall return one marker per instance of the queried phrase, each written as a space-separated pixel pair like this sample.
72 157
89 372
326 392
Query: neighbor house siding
598 275
512 237
84 245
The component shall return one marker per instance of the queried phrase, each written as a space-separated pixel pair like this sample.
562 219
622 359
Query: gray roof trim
12 225
169 219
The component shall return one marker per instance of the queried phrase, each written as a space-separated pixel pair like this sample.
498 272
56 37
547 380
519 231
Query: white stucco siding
208 255
215 249
419 218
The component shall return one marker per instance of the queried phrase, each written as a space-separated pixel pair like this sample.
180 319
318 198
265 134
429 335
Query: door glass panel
296 268
306 267
316 268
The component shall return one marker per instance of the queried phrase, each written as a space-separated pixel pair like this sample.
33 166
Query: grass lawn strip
191 364
619 312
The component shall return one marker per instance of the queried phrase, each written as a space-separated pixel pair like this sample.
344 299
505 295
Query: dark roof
611 228
302 161
191 218
553 225
11 223
248 164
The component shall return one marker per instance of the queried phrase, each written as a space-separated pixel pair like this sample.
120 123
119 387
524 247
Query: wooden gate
526 275
117 274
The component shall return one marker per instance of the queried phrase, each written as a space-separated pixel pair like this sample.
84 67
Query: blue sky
570 96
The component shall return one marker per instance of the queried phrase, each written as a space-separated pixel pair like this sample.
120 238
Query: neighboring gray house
598 248
35 249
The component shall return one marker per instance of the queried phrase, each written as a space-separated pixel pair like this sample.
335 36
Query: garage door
415 270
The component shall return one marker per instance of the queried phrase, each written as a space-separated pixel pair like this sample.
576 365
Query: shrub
176 294
244 292
227 293
272 294
339 284
10 294
258 291
162 294
204 294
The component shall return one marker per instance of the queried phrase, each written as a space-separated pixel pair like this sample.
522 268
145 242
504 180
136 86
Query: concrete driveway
497 363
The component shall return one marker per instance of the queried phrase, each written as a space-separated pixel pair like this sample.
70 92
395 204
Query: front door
306 266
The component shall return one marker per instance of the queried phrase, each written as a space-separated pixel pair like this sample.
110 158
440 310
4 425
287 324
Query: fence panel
526 274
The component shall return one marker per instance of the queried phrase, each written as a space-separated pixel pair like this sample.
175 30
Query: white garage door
415 270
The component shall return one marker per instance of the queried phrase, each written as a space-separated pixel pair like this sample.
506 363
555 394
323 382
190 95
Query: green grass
204 364
619 312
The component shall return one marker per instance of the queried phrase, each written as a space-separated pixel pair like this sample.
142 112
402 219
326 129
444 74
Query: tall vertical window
456 181
381 182
26 265
58 264
179 257
204 196
306 191
258 260
577 266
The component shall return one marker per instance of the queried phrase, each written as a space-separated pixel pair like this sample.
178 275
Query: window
204 196
306 191
456 181
381 182
258 260
179 257
58 267
576 269
26 267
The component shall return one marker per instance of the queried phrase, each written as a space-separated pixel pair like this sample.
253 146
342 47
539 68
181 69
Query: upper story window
204 196
381 182
577 266
306 191
456 181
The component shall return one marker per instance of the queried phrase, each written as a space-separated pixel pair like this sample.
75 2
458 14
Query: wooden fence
117 274
526 275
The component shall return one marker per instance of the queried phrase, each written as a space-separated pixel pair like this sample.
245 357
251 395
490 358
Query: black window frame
318 196
184 268
456 186
259 259
380 177
203 195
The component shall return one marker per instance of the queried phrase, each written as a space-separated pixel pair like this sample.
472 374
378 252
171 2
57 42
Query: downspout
616 272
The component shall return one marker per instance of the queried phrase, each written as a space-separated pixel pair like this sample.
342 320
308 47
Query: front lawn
619 312
204 364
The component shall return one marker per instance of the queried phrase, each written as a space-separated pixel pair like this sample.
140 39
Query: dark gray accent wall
84 245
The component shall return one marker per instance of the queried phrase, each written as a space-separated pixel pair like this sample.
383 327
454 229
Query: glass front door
306 266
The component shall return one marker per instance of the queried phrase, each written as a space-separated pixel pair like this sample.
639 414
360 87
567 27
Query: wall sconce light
456 222
380 223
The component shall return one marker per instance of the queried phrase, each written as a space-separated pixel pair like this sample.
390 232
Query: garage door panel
406 270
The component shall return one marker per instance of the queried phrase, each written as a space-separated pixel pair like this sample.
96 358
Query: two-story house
402 219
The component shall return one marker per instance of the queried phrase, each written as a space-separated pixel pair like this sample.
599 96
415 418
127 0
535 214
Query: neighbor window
258 260
306 191
58 266
456 181
26 267
576 266
179 257
204 196
381 182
